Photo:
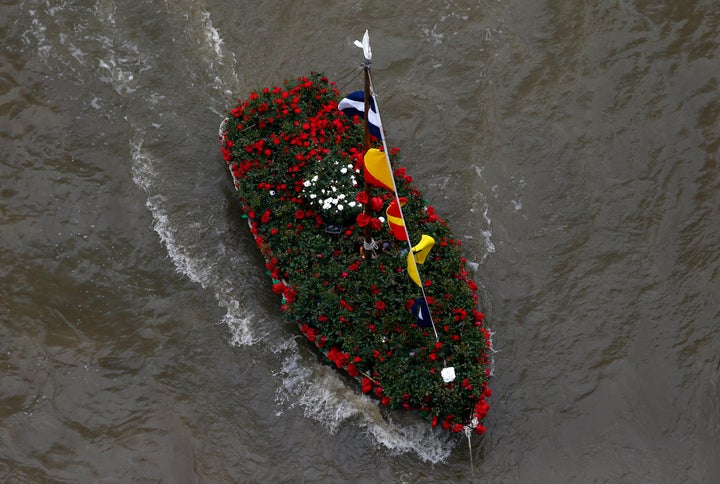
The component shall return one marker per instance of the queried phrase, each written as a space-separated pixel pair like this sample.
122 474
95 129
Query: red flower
309 332
380 306
481 409
352 370
363 220
366 385
299 214
338 357
385 400
376 203
362 197
265 217
434 421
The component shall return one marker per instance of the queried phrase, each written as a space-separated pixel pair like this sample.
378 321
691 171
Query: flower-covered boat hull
296 164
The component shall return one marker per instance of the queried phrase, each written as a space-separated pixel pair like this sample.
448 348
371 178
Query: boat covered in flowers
371 274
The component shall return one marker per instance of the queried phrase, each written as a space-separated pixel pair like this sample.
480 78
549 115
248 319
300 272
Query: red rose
362 197
366 385
376 223
376 203
337 357
363 220
380 306
299 214
352 370
265 217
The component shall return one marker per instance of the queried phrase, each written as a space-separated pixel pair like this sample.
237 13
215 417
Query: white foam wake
322 395
190 253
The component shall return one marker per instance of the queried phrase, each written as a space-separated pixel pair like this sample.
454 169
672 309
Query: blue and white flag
354 105
422 312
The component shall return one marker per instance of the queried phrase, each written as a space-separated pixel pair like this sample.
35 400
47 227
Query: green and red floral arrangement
296 164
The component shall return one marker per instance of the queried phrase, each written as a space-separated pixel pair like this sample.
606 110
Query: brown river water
572 145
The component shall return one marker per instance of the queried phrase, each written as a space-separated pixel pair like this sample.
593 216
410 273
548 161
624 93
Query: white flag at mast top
365 46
